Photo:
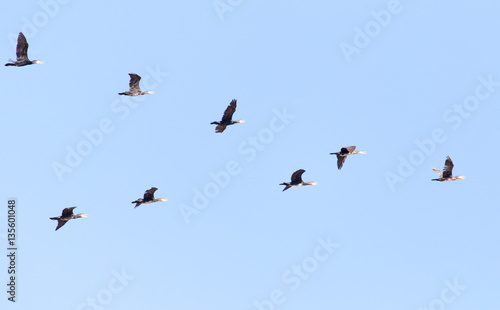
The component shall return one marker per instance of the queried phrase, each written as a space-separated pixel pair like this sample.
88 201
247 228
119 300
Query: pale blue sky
422 71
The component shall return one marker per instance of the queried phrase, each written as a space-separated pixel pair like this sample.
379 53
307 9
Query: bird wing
297 176
60 223
134 82
439 172
220 128
448 167
228 114
340 161
150 194
22 47
348 149
67 212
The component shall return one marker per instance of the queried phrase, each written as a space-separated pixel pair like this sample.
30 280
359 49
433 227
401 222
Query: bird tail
287 186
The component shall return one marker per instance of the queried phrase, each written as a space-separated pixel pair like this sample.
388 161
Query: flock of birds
227 119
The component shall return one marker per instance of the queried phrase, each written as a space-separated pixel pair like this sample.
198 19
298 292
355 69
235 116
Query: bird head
82 215
149 92
313 183
460 177
163 199
38 62
240 121
362 152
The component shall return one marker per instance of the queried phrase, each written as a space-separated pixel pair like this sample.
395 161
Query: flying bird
344 152
227 118
149 197
446 174
134 89
296 180
67 214
22 53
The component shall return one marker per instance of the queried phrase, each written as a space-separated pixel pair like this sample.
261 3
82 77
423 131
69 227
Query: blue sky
409 82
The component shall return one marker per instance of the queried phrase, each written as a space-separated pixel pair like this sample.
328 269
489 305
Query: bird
134 89
67 214
296 180
22 54
149 197
446 174
344 152
227 118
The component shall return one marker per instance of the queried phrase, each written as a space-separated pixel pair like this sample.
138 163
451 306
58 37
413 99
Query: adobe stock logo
454 116
372 29
92 138
221 7
448 295
297 274
105 296
48 10
249 149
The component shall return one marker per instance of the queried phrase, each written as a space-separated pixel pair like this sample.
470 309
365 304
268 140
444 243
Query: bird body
149 197
67 214
296 180
446 175
227 118
134 89
344 152
22 54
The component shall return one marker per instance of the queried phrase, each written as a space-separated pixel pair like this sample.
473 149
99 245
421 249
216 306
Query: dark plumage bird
67 214
227 118
134 89
296 180
446 174
344 152
22 53
149 197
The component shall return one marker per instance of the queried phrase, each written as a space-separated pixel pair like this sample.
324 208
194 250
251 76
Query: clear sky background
386 76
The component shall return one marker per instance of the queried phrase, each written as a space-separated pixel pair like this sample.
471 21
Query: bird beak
461 177
241 121
38 62
314 183
150 92
84 215
163 199
362 152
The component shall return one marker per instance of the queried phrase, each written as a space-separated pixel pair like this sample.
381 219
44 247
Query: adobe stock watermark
448 295
248 149
222 7
93 137
372 29
293 277
455 117
105 296
40 19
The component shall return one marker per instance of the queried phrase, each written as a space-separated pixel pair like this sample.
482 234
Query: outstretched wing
22 47
220 128
340 161
297 176
60 223
448 167
134 82
347 150
150 194
67 212
439 172
228 114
